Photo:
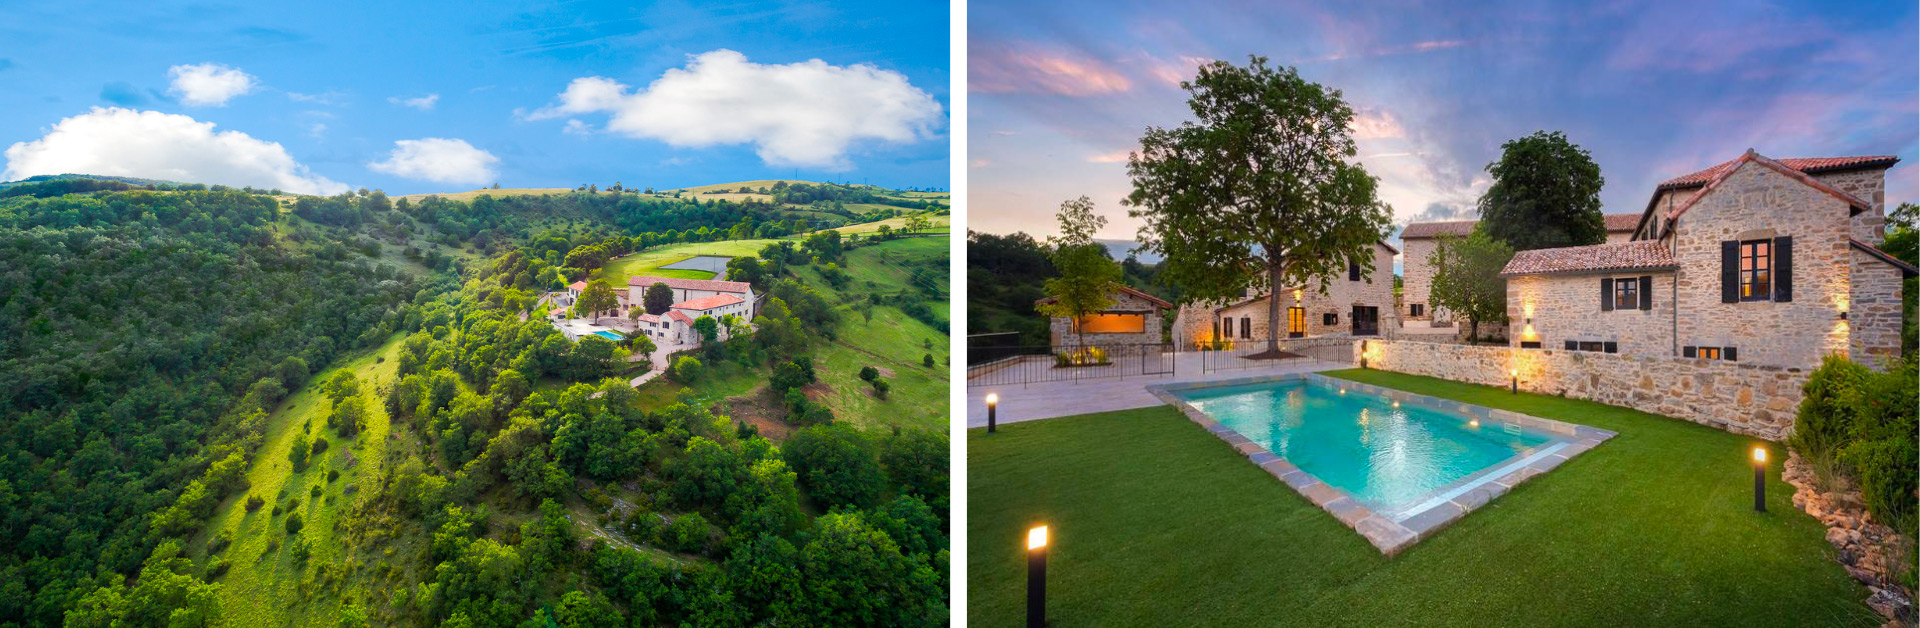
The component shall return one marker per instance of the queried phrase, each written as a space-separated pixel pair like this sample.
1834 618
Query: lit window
1756 266
1626 294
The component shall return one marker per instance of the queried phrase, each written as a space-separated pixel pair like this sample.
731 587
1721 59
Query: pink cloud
1008 71
1371 124
1115 157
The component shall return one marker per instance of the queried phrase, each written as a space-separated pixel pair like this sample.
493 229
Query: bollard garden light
1363 354
1515 375
1759 479
1037 577
993 404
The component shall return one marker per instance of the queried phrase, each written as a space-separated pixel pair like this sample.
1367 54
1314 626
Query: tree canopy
1259 192
1545 194
1466 278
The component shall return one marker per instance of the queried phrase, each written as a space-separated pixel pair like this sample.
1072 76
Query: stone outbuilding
1133 320
1357 303
1770 262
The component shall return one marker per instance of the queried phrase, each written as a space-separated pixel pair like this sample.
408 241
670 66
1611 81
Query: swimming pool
1394 465
614 336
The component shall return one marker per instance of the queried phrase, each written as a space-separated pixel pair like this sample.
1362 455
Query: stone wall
1123 303
1567 307
1868 185
1873 313
1756 202
1737 397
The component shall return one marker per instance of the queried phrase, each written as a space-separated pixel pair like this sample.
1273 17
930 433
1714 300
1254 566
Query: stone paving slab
1386 534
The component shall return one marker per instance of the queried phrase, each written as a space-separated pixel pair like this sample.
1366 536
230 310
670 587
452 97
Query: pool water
1396 459
610 335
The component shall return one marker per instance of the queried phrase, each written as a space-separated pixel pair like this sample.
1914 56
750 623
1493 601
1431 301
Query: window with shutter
1646 293
1228 326
1626 295
1246 327
1756 270
1606 294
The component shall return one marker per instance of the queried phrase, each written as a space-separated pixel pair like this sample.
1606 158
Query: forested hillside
149 338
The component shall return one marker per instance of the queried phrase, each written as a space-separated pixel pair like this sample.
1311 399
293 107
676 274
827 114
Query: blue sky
423 97
1060 91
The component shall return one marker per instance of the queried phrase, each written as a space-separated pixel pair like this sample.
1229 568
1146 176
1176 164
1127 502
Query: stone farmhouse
1357 303
1755 260
1421 238
692 298
1134 319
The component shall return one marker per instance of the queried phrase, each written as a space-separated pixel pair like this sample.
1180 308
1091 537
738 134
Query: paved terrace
1046 400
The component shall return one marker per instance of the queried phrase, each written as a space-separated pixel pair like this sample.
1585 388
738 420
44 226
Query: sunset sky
1060 91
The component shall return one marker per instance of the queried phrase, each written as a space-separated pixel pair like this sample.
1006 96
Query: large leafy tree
1087 276
595 299
1545 194
1903 242
1259 191
657 298
1466 278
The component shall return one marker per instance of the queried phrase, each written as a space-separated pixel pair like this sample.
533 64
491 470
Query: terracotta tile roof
691 284
1162 303
1810 165
1906 270
707 303
1417 230
676 315
647 318
1754 157
578 285
1636 255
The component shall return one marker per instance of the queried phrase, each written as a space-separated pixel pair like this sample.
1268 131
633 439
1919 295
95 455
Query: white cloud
209 83
576 127
801 114
155 145
1376 123
317 129
440 160
1115 157
423 103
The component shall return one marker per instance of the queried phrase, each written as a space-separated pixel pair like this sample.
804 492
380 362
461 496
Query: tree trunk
1273 308
1473 331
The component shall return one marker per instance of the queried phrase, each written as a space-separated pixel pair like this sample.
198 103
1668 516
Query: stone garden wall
1733 396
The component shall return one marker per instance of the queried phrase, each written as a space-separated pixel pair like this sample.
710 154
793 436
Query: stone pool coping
1387 535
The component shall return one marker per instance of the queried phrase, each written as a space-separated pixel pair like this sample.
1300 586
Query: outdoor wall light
1037 577
1515 375
993 405
1759 479
1843 315
1363 354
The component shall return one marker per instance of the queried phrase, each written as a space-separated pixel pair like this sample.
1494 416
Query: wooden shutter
1606 294
1246 327
1646 292
1730 354
1688 352
1782 268
1730 271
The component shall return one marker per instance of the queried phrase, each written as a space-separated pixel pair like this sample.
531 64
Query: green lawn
1157 523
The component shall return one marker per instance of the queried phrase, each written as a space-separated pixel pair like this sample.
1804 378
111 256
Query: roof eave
1596 271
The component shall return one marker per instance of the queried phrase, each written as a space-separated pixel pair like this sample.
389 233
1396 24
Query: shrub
315 492
254 503
687 369
687 533
294 523
216 568
880 388
927 360
1825 418
220 542
333 474
868 373
319 446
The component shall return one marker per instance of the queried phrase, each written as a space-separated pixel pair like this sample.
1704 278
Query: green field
937 224
268 587
1156 522
648 262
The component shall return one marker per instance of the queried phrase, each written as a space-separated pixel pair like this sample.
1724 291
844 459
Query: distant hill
1119 249
39 178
